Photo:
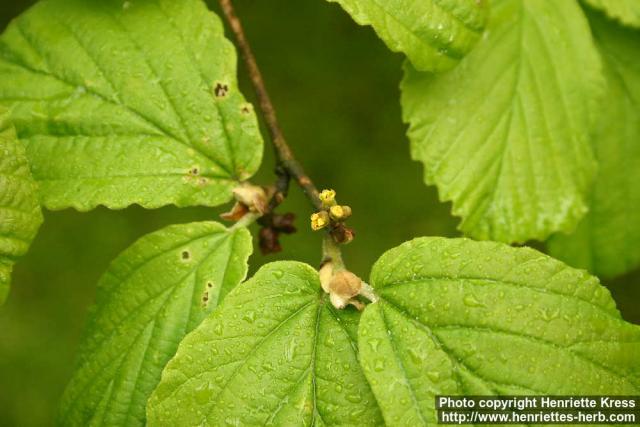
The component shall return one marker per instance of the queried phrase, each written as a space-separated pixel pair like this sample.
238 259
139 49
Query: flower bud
252 196
343 287
339 213
319 220
345 284
338 302
342 234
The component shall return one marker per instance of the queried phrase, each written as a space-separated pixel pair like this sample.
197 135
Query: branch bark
288 166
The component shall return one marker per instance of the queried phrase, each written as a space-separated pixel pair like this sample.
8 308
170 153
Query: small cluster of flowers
333 216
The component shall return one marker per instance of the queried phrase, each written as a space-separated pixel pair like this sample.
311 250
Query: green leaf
607 241
505 135
20 215
153 294
625 11
125 102
481 318
275 353
434 34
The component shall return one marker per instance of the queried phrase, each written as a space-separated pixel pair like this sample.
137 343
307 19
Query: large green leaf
462 317
434 34
275 353
155 292
505 135
625 11
128 102
20 215
607 241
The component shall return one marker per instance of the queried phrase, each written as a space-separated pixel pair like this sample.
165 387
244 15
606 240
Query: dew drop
218 329
249 316
202 393
434 376
290 351
416 357
268 366
472 301
354 397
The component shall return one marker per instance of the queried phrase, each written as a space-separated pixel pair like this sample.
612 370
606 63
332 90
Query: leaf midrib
394 346
430 329
242 363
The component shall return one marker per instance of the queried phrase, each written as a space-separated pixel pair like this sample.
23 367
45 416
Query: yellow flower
319 220
328 198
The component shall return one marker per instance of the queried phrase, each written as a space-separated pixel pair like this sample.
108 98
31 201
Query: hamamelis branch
287 166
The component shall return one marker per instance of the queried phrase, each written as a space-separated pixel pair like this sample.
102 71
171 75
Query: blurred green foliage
335 87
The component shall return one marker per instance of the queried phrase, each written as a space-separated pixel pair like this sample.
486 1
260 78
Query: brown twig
288 167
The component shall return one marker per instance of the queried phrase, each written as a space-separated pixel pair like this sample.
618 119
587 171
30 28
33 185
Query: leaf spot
246 108
205 299
221 90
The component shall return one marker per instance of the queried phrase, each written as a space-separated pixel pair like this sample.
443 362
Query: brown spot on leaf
205 299
185 255
221 90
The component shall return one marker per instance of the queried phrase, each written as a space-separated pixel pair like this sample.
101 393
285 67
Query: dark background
335 87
